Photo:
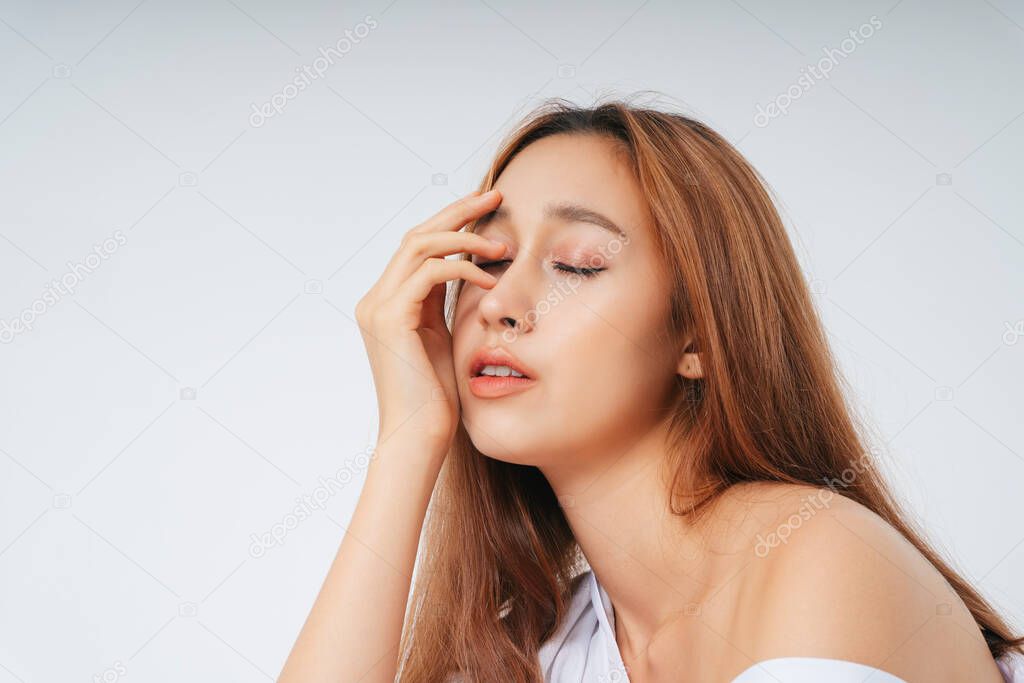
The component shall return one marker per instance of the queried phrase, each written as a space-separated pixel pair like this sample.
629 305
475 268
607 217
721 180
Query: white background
128 508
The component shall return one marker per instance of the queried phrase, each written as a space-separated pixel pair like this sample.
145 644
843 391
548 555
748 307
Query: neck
654 565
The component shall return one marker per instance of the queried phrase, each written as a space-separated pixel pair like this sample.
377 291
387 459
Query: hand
402 323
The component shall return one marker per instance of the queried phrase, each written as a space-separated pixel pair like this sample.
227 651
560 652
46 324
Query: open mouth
495 372
500 371
494 381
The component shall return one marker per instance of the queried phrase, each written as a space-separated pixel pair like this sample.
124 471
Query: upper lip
496 356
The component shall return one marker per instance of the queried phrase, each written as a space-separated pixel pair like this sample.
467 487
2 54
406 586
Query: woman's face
601 371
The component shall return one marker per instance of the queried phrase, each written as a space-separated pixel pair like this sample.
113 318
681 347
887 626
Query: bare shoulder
830 578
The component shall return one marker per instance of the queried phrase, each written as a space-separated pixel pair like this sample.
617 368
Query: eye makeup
575 256
584 271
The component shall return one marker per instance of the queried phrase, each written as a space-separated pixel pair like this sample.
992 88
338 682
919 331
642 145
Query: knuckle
363 310
369 297
409 237
416 243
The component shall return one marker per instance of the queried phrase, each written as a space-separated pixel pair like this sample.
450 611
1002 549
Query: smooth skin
691 603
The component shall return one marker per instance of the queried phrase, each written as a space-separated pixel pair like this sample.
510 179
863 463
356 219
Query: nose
507 306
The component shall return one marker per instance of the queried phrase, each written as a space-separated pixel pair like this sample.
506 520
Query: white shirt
583 650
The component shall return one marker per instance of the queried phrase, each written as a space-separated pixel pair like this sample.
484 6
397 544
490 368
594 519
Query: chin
518 448
510 458
510 429
497 442
502 442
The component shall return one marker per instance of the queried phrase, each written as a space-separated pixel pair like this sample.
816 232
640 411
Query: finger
422 246
464 208
460 212
434 271
433 308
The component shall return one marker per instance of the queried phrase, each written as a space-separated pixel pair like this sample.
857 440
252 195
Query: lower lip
485 386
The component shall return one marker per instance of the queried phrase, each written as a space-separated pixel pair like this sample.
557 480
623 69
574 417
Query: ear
689 365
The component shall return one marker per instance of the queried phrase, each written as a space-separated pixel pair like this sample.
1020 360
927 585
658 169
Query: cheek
606 393
465 308
608 350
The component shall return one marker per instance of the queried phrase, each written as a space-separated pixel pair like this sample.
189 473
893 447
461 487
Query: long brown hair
499 561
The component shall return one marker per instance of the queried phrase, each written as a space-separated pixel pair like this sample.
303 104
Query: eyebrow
564 211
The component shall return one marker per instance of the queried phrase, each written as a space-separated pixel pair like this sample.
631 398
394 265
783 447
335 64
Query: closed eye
565 268
585 272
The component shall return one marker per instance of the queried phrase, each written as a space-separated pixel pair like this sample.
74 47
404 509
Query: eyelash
585 272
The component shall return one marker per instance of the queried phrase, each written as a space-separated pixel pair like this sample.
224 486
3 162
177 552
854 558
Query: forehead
581 170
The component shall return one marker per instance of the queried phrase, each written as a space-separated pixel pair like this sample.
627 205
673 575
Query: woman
631 384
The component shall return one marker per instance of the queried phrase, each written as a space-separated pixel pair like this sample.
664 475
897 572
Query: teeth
500 371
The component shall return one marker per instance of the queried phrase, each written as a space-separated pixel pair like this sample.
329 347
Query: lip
483 386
